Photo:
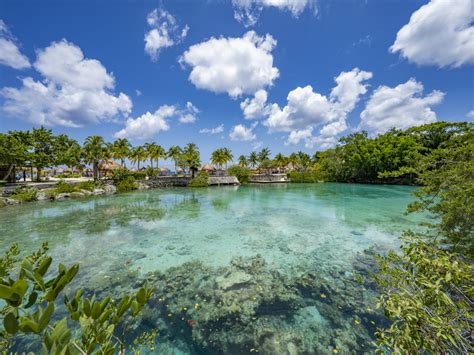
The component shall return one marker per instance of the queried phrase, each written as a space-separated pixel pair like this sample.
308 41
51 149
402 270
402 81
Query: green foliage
67 176
221 157
427 289
87 185
124 180
138 175
64 187
29 292
201 180
428 294
242 173
25 195
307 176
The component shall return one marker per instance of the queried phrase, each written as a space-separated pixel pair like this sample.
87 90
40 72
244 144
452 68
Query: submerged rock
9 201
98 192
233 280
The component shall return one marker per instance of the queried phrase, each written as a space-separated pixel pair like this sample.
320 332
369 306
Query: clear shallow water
292 289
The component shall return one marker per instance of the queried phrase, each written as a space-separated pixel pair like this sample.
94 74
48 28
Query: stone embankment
223 180
268 178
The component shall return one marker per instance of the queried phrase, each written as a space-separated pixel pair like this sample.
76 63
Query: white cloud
148 124
256 107
470 114
401 107
215 130
257 145
232 65
248 11
439 33
307 110
189 115
10 55
74 90
164 32
243 133
297 135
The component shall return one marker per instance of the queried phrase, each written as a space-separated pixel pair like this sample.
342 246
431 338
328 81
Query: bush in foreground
25 195
201 180
29 295
242 173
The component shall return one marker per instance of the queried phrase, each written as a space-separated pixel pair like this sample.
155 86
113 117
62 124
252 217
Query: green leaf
28 326
10 323
46 316
44 266
31 299
96 311
86 307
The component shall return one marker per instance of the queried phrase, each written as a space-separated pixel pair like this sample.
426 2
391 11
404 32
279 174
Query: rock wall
267 178
167 181
223 180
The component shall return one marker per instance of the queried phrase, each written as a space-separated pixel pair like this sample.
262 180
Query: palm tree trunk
96 170
138 165
151 163
123 163
38 176
157 161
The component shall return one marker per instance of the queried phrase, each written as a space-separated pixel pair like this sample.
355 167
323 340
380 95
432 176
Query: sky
245 74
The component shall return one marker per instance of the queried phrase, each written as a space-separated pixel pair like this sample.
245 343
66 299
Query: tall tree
94 151
68 151
263 155
192 158
13 151
174 153
280 161
253 159
227 156
137 155
243 161
121 150
43 149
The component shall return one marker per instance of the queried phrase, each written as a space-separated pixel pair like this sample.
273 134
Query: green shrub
87 185
120 174
201 180
242 174
67 175
31 296
139 175
25 194
63 187
304 176
127 184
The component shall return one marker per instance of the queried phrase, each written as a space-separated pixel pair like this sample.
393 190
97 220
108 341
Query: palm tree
227 156
174 153
305 159
192 157
264 155
243 161
137 155
280 161
121 150
253 159
294 160
95 150
217 158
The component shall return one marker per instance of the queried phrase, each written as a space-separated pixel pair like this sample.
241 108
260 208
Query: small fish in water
356 321
196 306
323 295
335 351
190 322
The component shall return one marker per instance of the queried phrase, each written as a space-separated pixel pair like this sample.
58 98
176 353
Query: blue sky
136 69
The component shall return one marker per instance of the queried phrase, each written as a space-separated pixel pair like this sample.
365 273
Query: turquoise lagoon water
266 269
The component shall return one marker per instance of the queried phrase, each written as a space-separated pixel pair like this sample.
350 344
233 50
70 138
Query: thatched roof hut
164 170
107 165
208 167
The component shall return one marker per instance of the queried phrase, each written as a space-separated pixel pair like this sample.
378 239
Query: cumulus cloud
234 66
248 12
400 107
215 130
148 124
243 133
74 90
10 55
256 107
470 114
189 115
438 33
165 32
307 110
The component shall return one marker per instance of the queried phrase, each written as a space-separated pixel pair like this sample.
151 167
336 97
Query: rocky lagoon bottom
261 268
